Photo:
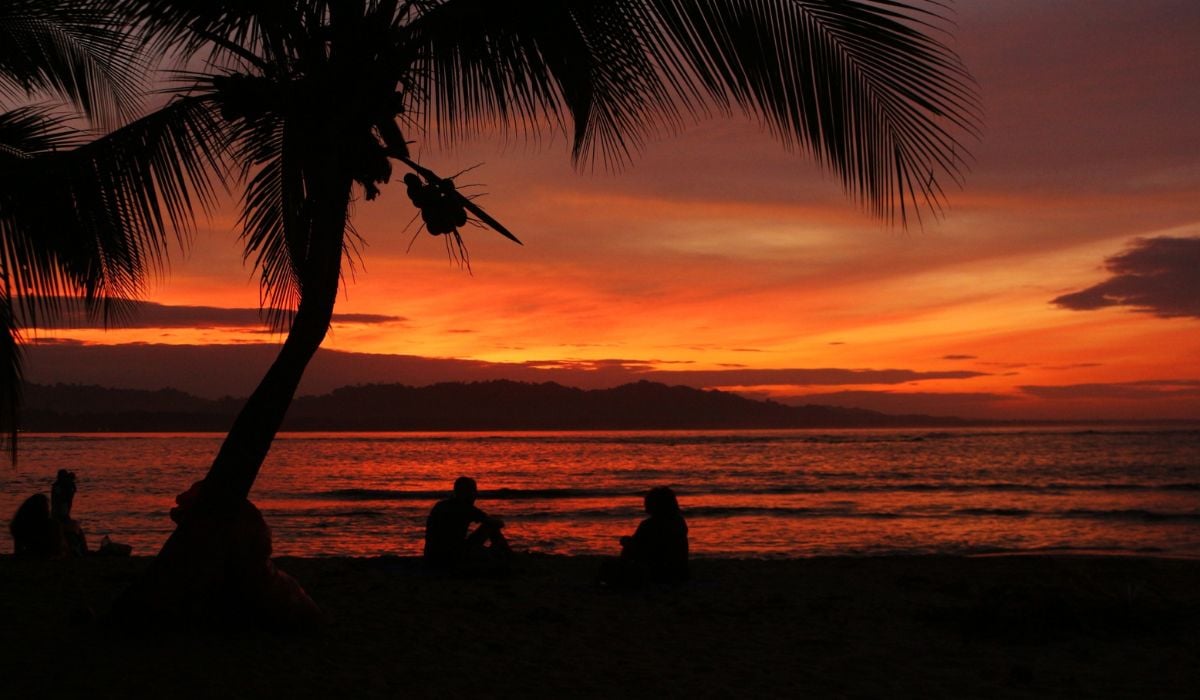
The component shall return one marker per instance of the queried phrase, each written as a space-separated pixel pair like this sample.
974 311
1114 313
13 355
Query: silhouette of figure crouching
36 535
657 551
448 547
216 569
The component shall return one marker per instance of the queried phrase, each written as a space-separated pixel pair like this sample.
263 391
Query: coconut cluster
440 204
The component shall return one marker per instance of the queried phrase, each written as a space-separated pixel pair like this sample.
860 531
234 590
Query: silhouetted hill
493 405
84 408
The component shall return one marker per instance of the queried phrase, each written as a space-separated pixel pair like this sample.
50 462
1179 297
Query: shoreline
1044 625
1157 425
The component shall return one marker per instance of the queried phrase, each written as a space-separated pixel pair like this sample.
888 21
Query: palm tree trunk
216 565
237 464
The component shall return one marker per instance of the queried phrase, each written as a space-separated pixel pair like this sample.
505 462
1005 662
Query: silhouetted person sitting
657 551
35 534
448 546
62 497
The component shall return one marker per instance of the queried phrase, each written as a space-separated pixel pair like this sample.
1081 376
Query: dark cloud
826 376
959 357
56 341
369 319
1141 390
633 370
1074 365
620 365
965 404
1155 275
145 314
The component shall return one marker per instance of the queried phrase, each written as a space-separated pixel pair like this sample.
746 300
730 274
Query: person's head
661 500
35 509
465 489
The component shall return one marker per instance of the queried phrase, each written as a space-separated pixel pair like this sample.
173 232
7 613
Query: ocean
782 493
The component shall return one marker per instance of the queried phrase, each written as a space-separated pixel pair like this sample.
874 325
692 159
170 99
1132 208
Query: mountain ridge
447 406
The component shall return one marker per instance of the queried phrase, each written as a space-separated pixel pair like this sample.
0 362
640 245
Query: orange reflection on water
758 493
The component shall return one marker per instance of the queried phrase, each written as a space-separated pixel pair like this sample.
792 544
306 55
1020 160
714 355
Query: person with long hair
36 535
658 550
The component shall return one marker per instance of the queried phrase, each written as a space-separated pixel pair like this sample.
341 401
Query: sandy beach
1015 626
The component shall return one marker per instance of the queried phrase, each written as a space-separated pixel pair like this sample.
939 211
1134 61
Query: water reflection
763 493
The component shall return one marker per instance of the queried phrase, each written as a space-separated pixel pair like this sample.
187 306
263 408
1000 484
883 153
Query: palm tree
315 100
78 221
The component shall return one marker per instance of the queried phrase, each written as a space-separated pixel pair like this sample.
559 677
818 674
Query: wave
484 494
851 511
1136 514
732 437
791 512
554 494
304 513
1003 512
987 550
1006 486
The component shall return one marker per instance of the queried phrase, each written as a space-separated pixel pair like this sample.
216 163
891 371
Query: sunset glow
715 252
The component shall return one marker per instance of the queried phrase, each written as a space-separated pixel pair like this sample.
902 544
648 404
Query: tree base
216 570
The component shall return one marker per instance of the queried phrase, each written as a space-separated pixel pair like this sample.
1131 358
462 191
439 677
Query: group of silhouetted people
656 552
43 528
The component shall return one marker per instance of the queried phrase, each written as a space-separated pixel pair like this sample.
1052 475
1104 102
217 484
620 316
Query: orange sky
716 250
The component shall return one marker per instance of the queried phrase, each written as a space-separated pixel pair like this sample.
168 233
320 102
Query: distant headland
467 406
489 405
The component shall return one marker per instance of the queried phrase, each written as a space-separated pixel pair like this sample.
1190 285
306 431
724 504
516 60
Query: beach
928 626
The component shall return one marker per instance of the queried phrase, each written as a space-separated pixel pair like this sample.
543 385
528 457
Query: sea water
744 493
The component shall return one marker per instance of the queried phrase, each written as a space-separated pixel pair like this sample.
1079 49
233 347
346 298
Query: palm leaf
273 226
94 220
10 375
856 83
527 66
65 48
223 30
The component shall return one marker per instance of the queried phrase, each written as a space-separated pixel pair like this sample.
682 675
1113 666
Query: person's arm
637 543
478 516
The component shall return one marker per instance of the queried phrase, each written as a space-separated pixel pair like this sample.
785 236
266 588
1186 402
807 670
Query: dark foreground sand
1064 627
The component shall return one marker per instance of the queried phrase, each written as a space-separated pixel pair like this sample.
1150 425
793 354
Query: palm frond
223 30
10 375
94 220
65 48
862 85
26 132
273 225
526 66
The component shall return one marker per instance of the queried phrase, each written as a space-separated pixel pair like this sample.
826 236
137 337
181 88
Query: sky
1062 282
